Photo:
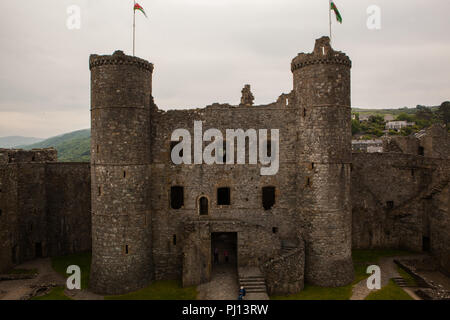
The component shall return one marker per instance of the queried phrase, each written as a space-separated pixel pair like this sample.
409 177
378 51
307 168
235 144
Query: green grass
83 260
389 292
409 278
361 260
160 290
319 293
23 271
373 255
55 294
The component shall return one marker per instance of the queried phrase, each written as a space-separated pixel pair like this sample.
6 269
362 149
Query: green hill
72 147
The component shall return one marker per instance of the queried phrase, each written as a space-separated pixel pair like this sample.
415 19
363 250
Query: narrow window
426 244
312 165
124 174
1 212
268 197
99 191
174 239
176 197
413 173
421 151
308 182
98 149
38 250
304 112
274 230
33 158
14 254
390 204
203 204
287 101
223 196
126 249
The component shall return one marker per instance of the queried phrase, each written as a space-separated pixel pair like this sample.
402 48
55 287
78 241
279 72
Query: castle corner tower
121 98
322 90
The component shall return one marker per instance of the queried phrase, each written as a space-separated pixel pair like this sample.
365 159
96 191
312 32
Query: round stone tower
322 91
121 97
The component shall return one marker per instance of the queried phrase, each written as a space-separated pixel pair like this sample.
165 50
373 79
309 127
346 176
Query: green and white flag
336 11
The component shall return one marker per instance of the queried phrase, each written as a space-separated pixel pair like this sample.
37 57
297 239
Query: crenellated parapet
118 58
322 54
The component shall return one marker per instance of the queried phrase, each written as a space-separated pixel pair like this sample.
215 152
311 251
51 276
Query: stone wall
284 274
45 207
399 201
121 99
68 189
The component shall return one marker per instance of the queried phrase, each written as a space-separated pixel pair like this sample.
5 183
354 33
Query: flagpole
134 28
329 16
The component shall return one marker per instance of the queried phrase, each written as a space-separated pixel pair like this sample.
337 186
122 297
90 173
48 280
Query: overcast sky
204 51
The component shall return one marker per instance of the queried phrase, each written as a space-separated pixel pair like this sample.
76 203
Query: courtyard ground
223 285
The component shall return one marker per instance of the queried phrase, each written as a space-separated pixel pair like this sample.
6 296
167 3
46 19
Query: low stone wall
285 274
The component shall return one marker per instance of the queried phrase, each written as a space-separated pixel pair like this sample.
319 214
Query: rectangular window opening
223 196
174 240
421 151
176 197
268 197
390 204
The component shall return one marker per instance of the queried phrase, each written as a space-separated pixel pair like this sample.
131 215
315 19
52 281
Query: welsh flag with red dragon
138 7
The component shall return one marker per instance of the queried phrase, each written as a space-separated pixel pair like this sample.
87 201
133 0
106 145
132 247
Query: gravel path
16 289
223 285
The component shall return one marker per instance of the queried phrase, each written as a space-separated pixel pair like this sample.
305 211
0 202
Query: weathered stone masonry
326 199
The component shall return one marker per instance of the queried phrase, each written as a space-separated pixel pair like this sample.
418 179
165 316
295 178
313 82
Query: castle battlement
323 54
118 58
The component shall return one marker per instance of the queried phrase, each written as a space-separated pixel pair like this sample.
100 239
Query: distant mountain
72 147
14 141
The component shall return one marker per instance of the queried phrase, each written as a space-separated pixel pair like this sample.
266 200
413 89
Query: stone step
256 291
252 280
261 282
253 285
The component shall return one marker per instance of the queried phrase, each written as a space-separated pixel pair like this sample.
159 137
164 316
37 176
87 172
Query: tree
405 117
356 127
444 112
424 113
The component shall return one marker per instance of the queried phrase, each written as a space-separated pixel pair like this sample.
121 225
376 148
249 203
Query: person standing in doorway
216 255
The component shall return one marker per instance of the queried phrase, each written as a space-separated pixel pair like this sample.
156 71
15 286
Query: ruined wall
436 142
8 216
35 155
394 203
245 181
45 207
68 190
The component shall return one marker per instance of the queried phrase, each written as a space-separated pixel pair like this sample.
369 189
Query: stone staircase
254 283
